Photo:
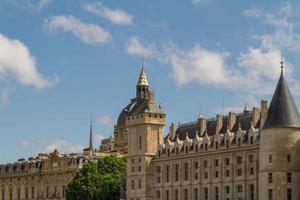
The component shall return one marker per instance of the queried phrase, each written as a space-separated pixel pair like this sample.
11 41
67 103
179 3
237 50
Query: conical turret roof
282 111
142 79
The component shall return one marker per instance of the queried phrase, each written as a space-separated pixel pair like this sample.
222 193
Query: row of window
288 177
17 195
194 195
288 158
215 145
289 194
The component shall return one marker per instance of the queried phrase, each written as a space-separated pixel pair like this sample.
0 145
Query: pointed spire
91 136
143 78
246 109
282 111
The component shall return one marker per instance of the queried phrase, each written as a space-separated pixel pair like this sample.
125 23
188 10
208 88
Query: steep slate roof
282 111
243 119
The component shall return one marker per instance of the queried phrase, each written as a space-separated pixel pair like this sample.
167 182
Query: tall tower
144 125
279 166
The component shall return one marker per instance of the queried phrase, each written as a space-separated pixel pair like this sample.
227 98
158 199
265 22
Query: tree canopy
101 180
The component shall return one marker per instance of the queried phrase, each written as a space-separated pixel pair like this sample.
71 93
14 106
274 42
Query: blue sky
61 60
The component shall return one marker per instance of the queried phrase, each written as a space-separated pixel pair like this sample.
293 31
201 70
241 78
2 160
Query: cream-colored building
250 155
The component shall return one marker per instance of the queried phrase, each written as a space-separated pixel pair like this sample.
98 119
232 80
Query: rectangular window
288 177
227 161
186 194
251 171
158 194
140 142
251 188
251 158
289 194
168 173
205 175
270 177
227 189
239 142
196 170
288 157
270 158
239 172
140 184
205 147
186 171
205 193
227 143
167 195
239 188
132 184
216 163
176 195
216 174
227 173
216 193
205 163
270 191
195 193
176 172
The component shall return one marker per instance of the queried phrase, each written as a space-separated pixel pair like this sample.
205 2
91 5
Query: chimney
264 112
202 125
172 131
151 100
232 120
256 116
219 122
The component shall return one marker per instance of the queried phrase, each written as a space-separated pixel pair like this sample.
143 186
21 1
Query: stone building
43 177
252 155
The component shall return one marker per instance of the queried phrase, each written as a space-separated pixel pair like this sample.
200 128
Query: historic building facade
252 155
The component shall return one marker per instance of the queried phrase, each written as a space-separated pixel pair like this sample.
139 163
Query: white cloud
282 33
63 146
31 5
105 120
197 64
116 16
135 46
88 33
17 62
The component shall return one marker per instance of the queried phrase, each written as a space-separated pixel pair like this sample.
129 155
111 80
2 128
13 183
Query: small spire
143 78
246 107
281 64
91 135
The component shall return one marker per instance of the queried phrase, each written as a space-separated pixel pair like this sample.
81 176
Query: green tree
101 180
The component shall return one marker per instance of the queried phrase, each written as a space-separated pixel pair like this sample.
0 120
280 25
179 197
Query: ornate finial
281 62
143 78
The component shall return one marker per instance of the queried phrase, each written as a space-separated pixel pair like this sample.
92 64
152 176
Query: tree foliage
101 180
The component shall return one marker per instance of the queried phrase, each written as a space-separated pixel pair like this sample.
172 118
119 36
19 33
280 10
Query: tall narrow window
270 191
227 143
168 173
186 171
196 170
227 161
205 146
251 188
216 163
216 193
288 157
195 193
176 195
227 189
167 194
140 184
270 177
132 184
239 188
251 139
32 192
289 194
158 194
270 158
217 145
288 177
140 142
239 142
176 172
186 194
205 193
